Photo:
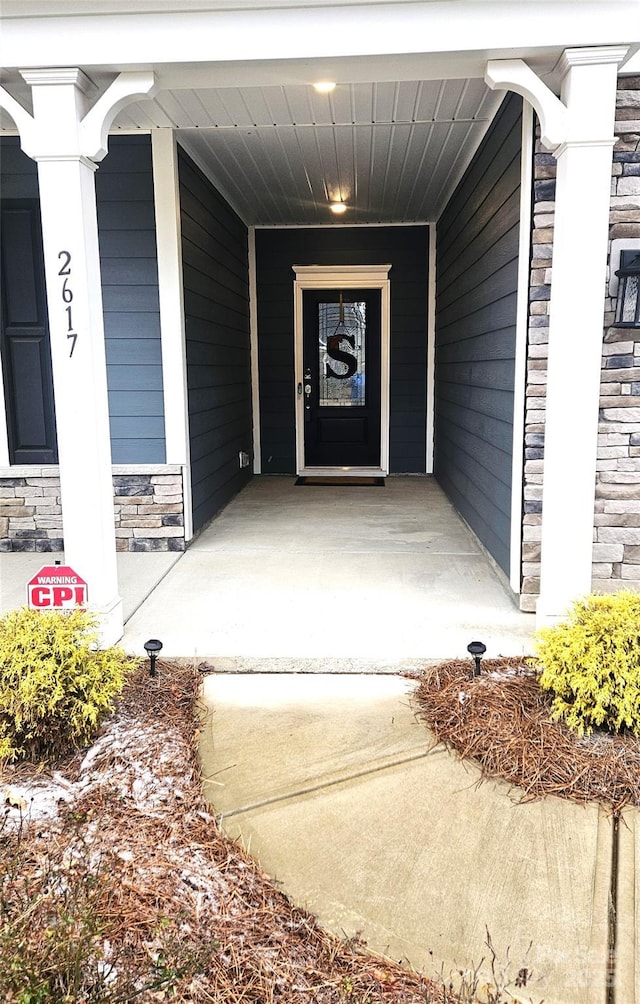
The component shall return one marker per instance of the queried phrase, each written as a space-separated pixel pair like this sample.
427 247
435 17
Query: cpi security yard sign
56 587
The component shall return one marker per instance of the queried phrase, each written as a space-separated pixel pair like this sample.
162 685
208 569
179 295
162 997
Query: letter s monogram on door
335 352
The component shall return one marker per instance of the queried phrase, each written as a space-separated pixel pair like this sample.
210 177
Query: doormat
349 481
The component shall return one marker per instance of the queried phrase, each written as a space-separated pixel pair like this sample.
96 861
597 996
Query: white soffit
391 151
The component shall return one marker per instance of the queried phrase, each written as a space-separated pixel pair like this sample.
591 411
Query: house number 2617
67 295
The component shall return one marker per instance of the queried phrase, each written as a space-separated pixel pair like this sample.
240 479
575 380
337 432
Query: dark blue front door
341 370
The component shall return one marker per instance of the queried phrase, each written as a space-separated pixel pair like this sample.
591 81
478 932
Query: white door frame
343 277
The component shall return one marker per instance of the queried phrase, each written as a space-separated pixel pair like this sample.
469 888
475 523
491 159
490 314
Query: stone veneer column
579 130
616 550
544 183
64 137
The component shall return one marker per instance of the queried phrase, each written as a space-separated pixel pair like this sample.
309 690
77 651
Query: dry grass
501 720
161 896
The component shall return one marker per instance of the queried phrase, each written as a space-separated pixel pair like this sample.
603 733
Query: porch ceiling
392 147
391 150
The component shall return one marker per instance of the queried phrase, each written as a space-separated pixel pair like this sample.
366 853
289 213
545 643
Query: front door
342 377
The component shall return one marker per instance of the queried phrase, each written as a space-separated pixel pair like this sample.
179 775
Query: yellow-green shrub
591 663
55 685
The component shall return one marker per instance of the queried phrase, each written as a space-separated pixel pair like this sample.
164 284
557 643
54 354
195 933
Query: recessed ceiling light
324 86
337 207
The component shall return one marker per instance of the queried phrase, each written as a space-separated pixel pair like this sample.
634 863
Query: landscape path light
152 648
477 650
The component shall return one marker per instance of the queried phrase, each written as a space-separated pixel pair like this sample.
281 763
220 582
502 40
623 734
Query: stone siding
616 550
30 510
148 508
616 553
544 174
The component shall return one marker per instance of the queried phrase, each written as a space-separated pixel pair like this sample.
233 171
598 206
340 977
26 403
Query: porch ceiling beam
139 39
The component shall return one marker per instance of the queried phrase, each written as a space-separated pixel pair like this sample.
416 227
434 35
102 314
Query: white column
578 128
583 189
65 138
74 298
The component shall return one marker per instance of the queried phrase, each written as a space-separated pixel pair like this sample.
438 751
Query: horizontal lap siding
18 173
406 248
216 303
477 278
126 229
128 262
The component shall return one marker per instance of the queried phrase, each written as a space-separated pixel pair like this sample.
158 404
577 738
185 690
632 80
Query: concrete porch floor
291 577
314 578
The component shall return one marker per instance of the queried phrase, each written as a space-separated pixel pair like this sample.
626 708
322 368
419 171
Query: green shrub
591 663
55 685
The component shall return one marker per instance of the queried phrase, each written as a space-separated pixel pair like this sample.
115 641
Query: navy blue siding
126 228
406 249
477 279
18 173
216 305
126 225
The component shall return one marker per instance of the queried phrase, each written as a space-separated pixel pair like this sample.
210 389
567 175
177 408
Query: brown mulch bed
501 721
150 885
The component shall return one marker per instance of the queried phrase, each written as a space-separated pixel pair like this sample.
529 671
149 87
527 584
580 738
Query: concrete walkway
331 782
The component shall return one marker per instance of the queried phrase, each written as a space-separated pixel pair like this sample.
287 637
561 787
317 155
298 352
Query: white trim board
431 351
344 277
253 335
172 323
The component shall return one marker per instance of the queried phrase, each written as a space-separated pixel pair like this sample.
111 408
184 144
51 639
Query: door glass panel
341 345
